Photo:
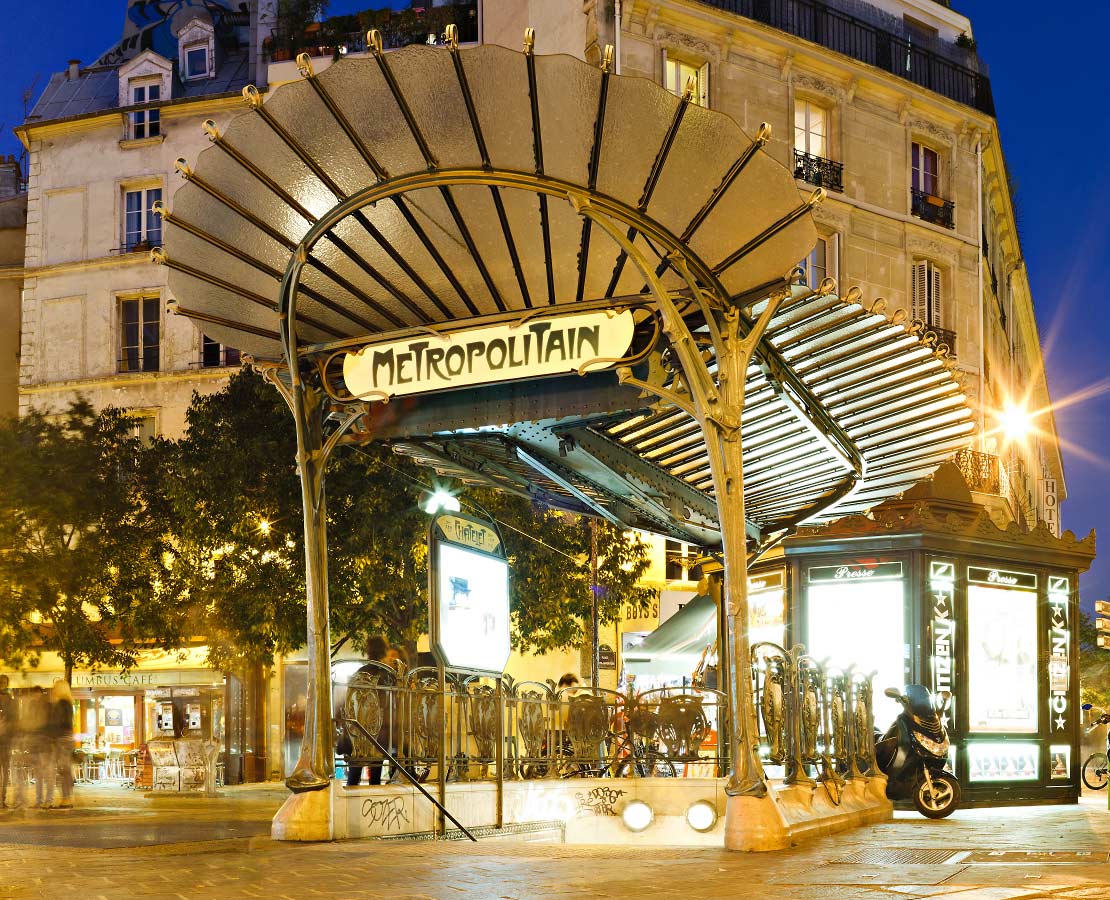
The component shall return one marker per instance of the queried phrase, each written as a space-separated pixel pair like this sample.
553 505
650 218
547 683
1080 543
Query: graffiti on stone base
388 812
597 801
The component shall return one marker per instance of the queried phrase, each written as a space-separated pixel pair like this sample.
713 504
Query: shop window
1001 652
767 608
856 616
927 292
213 354
142 226
677 74
140 334
145 123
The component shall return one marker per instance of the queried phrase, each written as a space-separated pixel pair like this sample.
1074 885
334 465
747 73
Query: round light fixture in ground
701 816
637 815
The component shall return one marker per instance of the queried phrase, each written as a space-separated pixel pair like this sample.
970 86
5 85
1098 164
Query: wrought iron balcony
981 471
818 171
933 209
876 44
944 336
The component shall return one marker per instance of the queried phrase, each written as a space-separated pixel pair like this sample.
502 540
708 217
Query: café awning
676 646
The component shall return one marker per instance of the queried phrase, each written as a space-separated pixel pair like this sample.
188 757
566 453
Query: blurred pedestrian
58 732
7 736
29 743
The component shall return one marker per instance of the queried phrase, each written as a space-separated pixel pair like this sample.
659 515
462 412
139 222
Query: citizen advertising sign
469 590
551 346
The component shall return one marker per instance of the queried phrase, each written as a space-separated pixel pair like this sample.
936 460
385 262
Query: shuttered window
927 294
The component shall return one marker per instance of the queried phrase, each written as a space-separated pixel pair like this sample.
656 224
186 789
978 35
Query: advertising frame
462 534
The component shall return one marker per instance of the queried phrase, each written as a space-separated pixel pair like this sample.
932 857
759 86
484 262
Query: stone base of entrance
589 810
791 813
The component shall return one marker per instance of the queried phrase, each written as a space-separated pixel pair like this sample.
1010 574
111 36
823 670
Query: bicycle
1096 768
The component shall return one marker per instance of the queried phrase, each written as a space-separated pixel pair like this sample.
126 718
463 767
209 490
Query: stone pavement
117 845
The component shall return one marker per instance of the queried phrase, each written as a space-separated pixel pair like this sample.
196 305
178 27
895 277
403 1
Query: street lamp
440 500
1016 422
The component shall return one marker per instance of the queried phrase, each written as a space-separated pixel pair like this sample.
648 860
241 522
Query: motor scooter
913 752
1096 768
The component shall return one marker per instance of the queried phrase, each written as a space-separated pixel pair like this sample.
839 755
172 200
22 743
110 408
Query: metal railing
904 55
941 336
815 721
818 171
981 471
532 729
932 209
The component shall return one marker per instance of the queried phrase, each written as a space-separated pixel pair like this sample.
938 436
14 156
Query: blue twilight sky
1049 77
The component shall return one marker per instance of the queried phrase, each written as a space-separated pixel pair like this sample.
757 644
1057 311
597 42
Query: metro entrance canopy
436 200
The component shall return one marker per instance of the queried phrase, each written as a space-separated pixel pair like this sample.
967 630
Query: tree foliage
1094 665
238 532
82 548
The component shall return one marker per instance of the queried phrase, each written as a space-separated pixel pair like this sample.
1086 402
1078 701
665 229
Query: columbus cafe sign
533 348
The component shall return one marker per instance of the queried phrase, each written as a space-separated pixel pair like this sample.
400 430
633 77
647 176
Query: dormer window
196 62
146 122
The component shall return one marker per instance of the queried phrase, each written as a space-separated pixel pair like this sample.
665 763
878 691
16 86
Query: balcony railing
933 209
818 171
901 55
944 336
981 471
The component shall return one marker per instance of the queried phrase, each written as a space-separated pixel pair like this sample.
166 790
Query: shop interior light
701 816
637 816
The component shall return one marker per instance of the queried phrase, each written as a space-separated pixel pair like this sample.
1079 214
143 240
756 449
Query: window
214 354
677 74
680 562
145 122
926 170
144 426
927 292
821 262
811 128
196 62
142 227
140 332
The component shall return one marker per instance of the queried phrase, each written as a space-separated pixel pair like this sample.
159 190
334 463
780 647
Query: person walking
7 737
59 740
29 743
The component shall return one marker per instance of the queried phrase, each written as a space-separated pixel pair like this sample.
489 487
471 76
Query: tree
82 552
550 590
1094 665
240 545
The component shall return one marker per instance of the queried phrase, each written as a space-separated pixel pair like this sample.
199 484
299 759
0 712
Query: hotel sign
551 346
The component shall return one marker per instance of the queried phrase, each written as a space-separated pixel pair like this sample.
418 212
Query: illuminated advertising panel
1002 695
767 607
1003 761
856 617
469 607
1059 666
942 588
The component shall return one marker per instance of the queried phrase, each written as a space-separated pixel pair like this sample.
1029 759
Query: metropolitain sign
549 346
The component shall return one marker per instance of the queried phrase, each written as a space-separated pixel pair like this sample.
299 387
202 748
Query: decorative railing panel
816 722
932 209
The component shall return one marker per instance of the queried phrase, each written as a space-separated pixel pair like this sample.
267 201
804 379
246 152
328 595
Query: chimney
10 177
74 69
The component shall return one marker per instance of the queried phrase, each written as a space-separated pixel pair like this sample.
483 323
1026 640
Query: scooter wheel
939 801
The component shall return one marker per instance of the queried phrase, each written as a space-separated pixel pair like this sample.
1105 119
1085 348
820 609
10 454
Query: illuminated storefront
929 590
